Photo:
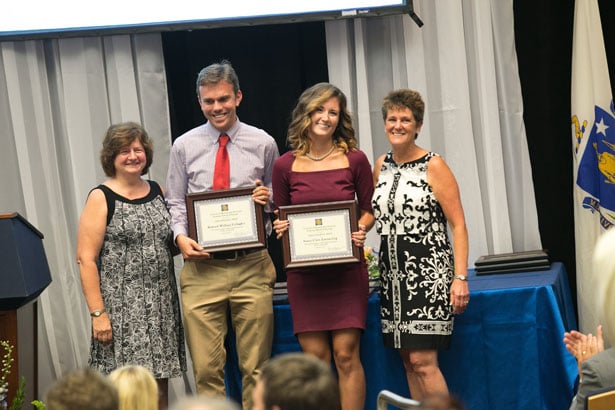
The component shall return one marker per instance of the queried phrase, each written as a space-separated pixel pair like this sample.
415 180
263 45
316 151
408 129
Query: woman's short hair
309 101
119 136
404 98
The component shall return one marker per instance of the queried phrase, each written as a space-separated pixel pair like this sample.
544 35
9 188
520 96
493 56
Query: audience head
205 403
120 136
311 100
136 387
82 389
296 381
603 279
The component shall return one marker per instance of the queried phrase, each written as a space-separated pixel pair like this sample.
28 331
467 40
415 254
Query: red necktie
222 169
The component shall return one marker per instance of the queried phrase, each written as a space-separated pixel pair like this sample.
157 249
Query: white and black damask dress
415 258
138 286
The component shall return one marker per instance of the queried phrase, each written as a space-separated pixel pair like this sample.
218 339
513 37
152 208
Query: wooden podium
24 274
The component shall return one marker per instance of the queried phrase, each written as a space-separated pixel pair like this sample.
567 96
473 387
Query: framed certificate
227 219
320 234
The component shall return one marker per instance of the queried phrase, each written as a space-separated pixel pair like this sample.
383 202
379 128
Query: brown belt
232 255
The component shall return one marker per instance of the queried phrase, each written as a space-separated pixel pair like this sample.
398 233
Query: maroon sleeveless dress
327 297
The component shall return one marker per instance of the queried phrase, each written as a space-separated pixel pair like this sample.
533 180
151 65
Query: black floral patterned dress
138 286
415 258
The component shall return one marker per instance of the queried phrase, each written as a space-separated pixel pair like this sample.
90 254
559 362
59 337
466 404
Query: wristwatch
461 277
97 313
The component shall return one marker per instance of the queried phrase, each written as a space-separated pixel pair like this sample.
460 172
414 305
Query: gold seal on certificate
227 219
320 234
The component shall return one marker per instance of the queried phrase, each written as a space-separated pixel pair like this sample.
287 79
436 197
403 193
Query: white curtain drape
463 62
58 96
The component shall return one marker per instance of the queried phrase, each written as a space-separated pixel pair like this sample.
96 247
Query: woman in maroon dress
329 302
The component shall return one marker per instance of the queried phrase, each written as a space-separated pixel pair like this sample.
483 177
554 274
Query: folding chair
386 397
603 399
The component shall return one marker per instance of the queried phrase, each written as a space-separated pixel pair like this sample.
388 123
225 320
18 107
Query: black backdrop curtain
275 63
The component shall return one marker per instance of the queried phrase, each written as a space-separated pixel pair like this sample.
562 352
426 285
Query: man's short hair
214 73
82 389
299 381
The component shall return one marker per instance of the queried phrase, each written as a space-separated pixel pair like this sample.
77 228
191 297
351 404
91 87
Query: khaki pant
211 290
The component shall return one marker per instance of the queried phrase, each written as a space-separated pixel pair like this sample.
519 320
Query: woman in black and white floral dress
126 264
423 278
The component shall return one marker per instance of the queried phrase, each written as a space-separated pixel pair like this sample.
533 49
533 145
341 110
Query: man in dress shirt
235 284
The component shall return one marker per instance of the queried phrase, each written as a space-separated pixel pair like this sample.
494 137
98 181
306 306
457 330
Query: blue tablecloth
506 352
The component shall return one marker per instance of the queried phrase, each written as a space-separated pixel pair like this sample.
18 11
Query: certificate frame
320 234
225 220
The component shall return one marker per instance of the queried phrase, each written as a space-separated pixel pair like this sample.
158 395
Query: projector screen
23 19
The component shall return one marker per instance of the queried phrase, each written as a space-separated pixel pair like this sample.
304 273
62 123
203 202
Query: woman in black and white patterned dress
423 277
126 264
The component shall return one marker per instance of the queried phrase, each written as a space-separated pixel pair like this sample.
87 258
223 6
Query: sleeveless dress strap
110 198
155 188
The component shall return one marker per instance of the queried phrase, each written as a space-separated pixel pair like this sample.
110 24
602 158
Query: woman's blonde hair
136 386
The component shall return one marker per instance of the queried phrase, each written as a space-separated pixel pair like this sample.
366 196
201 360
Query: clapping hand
583 346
